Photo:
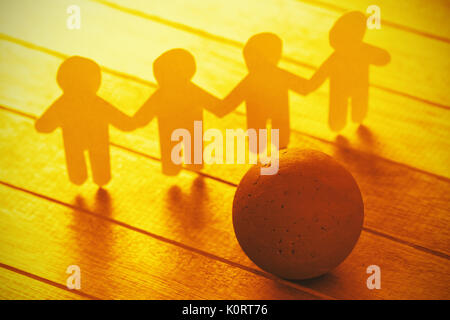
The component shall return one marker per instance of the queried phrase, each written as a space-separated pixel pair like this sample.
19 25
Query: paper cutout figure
84 119
265 88
348 69
177 104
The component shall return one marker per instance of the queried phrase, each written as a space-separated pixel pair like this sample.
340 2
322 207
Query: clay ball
301 222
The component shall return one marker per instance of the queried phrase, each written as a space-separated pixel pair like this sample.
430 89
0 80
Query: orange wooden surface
15 284
156 237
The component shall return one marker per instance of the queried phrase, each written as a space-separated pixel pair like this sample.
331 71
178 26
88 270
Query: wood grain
398 125
151 236
410 15
405 194
16 286
304 29
116 263
197 213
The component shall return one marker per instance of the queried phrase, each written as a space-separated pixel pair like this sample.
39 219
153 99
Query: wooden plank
304 29
398 125
391 139
196 213
418 198
411 15
16 286
115 262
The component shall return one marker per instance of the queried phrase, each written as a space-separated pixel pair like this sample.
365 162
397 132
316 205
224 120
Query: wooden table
149 236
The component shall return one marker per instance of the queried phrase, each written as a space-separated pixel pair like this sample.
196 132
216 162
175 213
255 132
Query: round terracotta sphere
302 221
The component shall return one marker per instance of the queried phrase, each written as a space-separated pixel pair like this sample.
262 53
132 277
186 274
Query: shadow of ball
301 222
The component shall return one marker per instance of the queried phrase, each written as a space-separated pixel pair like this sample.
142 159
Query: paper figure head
78 74
261 50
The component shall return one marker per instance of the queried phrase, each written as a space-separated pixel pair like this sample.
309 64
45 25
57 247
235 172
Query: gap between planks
412 256
127 76
238 44
153 85
181 245
46 281
336 8
232 184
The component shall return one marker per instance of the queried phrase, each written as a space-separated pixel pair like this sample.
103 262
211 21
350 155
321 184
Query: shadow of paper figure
365 137
177 103
93 241
348 69
265 88
101 204
189 209
84 119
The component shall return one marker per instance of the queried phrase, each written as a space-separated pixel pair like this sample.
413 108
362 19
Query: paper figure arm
320 75
210 102
117 118
147 112
234 98
377 56
296 83
49 121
